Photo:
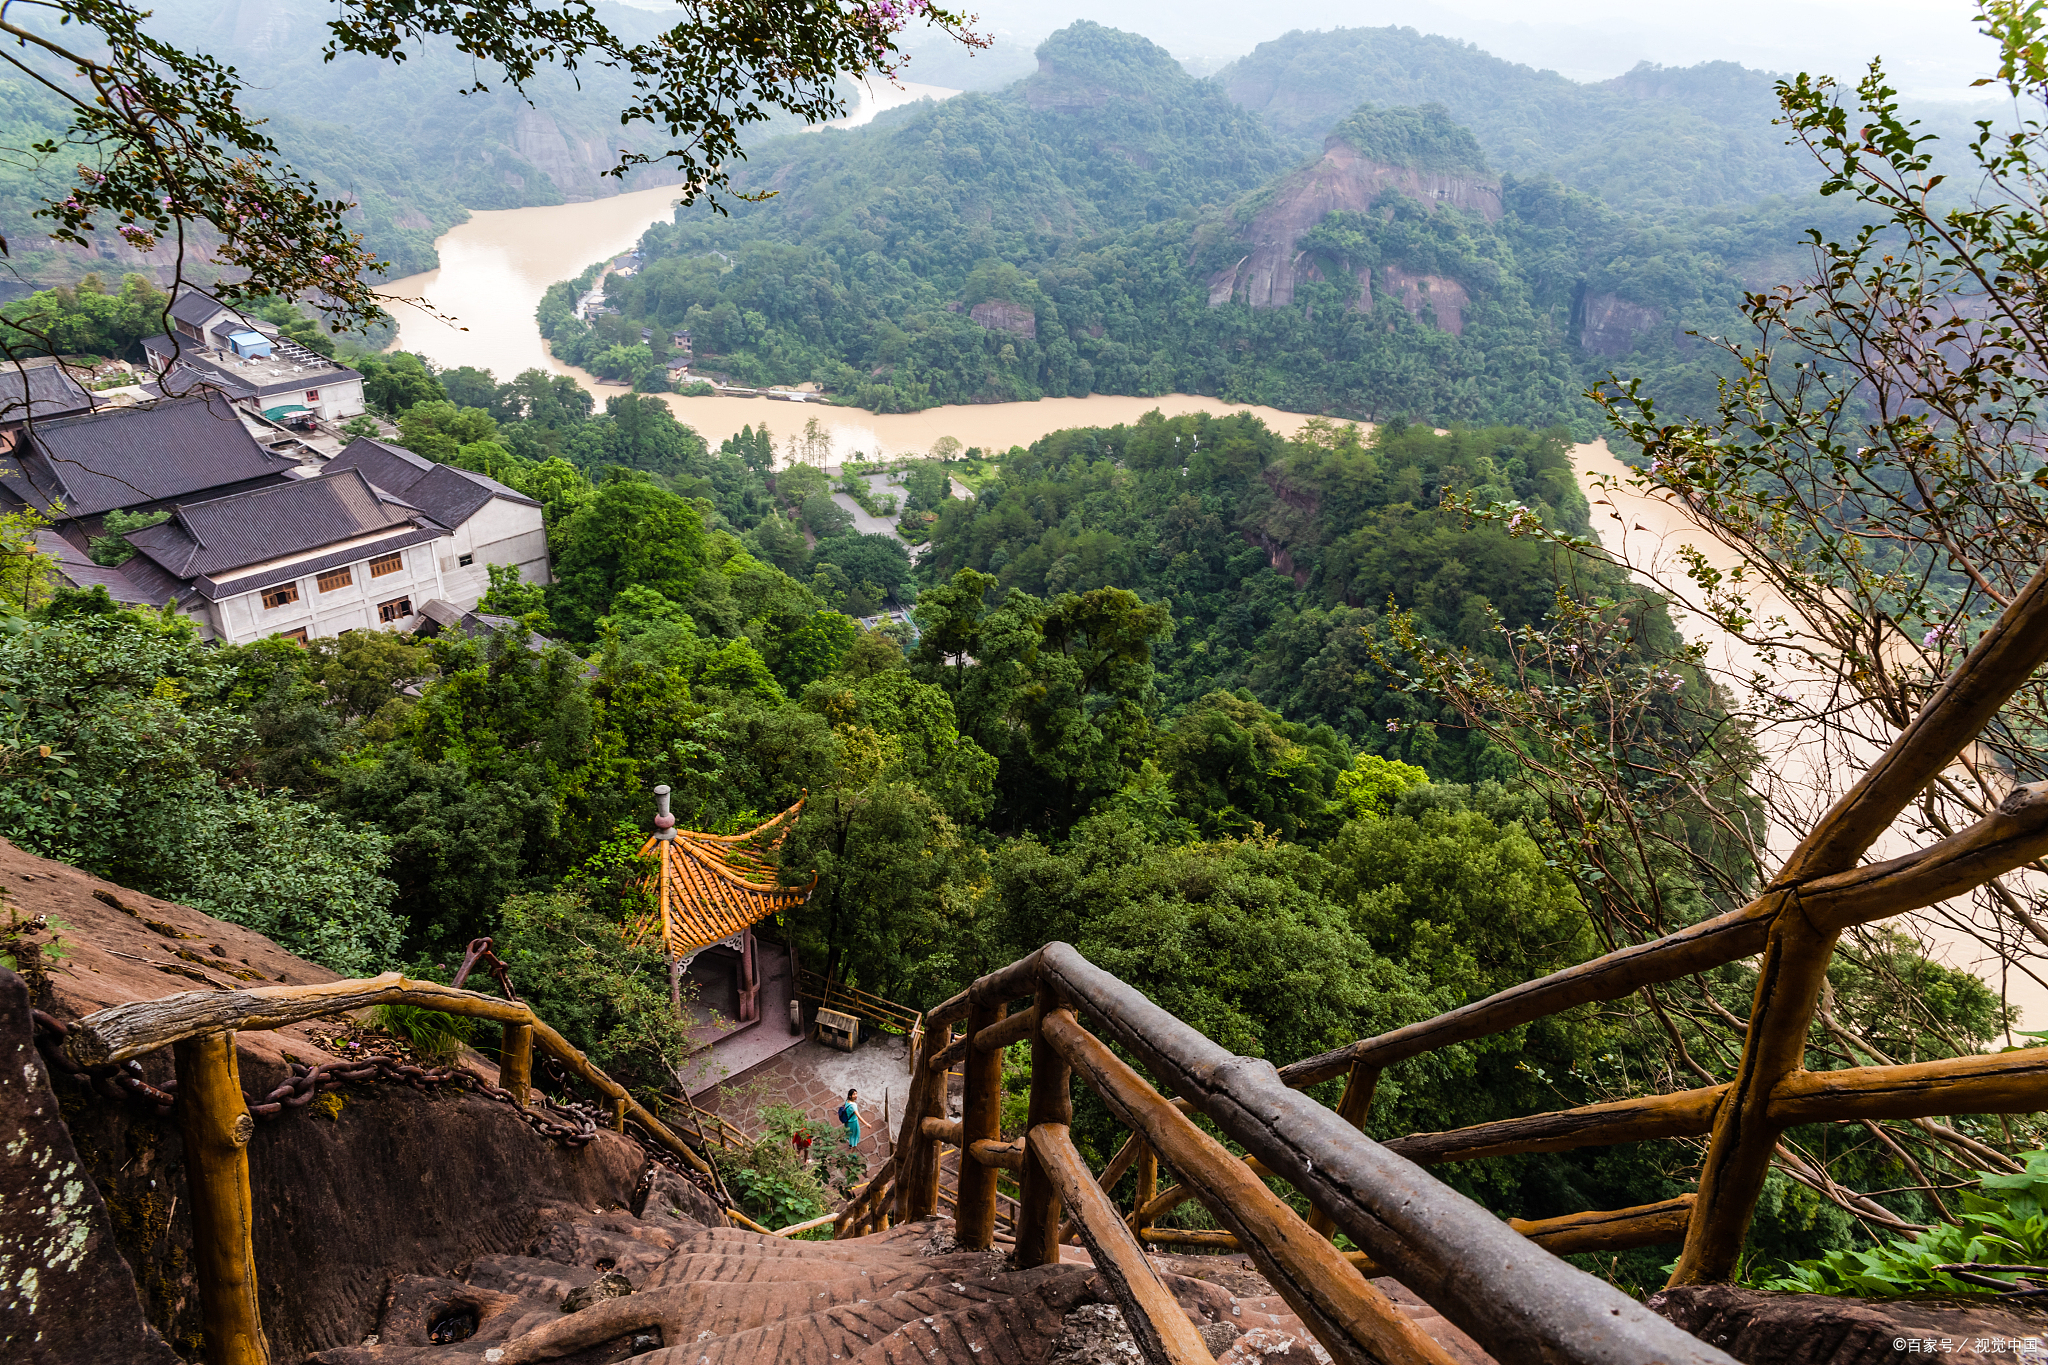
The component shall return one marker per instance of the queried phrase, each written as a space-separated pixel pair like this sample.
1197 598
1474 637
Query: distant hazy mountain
1313 228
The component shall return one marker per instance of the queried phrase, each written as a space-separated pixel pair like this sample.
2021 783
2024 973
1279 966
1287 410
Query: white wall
243 617
340 399
500 532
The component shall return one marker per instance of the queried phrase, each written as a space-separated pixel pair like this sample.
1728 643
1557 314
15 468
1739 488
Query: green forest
1168 691
1102 195
1152 706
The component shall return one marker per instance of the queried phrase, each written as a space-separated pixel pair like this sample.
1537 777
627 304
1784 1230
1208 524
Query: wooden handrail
2010 837
1611 1230
1162 1331
1518 1306
1351 1318
1530 1308
1688 1113
200 1026
120 1032
1447 1248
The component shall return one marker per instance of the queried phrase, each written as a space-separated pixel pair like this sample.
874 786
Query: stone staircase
720 1296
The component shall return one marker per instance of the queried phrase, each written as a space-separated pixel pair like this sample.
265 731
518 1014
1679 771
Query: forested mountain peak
1111 224
1658 140
1422 139
1086 65
1329 221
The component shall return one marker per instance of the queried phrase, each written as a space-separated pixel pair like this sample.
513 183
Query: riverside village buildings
262 532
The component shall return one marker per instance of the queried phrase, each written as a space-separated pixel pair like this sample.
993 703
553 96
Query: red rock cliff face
1005 317
1345 181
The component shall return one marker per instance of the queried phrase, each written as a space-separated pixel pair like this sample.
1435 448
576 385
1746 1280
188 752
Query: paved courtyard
815 1078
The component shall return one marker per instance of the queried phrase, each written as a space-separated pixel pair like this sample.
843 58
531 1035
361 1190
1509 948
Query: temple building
711 890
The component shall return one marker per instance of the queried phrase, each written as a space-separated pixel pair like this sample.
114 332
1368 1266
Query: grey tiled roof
40 391
195 309
431 618
130 457
158 586
77 569
209 539
449 495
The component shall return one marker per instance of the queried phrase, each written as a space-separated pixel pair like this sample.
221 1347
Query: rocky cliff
374 1181
1348 180
1609 325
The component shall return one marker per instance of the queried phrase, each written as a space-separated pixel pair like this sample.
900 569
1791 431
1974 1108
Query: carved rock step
720 1296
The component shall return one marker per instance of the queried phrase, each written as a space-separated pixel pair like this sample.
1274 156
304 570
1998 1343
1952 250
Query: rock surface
720 1296
1761 1328
66 1294
1346 181
376 1181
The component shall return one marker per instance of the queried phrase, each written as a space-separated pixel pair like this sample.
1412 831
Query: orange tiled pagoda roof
712 886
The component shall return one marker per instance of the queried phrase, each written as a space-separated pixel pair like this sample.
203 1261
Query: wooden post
1159 1325
217 1127
981 1119
515 1062
619 1114
917 1179
1052 1101
1354 1108
1744 1135
1148 1184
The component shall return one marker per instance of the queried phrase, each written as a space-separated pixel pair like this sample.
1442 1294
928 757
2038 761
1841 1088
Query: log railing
837 995
1478 1272
200 1026
1497 1281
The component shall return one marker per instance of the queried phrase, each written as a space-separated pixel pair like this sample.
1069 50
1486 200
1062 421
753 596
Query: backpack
846 1112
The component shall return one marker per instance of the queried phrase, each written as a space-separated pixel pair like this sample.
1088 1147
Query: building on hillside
262 540
38 389
306 558
74 470
487 522
437 618
250 361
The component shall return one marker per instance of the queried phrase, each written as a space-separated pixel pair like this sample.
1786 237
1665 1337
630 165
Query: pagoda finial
664 823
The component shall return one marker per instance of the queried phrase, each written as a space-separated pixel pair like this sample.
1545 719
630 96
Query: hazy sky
1931 47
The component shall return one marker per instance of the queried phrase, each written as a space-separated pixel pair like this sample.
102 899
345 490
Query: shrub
431 1033
2003 1222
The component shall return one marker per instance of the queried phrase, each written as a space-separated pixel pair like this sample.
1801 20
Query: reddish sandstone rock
1761 1328
66 1295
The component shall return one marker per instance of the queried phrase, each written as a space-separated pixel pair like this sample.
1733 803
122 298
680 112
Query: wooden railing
200 1027
837 995
1477 1271
1521 1303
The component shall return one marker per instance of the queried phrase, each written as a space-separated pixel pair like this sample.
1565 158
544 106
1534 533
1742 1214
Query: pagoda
710 892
